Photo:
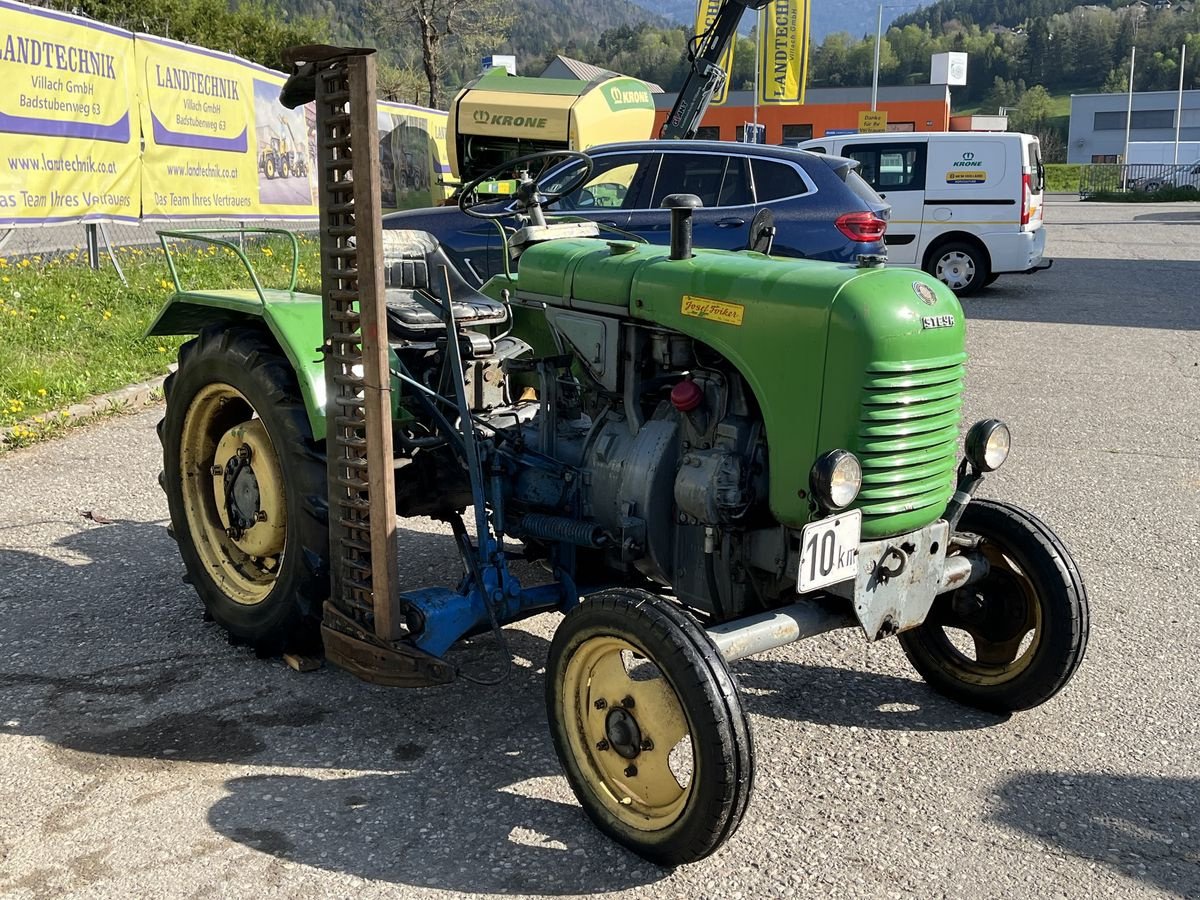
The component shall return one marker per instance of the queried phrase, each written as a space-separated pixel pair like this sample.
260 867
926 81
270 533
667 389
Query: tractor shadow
825 695
1143 827
106 655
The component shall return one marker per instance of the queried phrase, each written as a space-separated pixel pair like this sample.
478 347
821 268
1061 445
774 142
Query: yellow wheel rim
628 734
242 558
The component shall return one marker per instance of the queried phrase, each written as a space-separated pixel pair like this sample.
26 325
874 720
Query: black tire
696 675
965 267
1058 602
288 613
991 279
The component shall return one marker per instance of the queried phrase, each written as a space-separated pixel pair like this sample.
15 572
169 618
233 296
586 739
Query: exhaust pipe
766 631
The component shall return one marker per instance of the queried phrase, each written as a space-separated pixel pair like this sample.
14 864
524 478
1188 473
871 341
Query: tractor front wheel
245 484
1014 639
649 727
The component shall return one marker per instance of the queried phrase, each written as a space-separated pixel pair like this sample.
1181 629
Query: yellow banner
706 12
68 120
412 156
218 144
783 52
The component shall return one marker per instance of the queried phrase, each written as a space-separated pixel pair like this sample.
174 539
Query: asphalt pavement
141 755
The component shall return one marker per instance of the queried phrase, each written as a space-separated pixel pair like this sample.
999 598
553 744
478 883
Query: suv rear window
863 191
776 180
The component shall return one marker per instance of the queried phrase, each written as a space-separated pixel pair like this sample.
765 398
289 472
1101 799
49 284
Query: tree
253 29
444 28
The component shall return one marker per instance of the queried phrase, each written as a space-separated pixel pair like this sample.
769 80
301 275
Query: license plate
829 551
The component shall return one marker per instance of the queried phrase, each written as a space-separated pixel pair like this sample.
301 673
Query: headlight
835 479
987 445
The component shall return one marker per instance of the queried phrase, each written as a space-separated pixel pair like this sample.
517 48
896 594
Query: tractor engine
659 483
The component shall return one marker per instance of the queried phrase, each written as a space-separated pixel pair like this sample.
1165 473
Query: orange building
920 107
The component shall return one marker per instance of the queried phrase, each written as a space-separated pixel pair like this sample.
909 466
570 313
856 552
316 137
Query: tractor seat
415 289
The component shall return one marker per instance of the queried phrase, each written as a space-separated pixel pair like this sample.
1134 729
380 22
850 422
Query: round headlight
987 445
835 479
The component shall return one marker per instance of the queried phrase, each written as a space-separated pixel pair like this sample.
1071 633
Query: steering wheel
529 198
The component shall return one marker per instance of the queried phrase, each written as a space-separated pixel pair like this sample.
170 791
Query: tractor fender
293 321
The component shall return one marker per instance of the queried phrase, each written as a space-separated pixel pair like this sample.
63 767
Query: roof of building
588 72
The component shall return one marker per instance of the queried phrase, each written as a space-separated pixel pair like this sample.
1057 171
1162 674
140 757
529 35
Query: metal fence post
92 233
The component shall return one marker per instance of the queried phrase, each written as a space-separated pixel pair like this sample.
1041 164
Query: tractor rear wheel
1014 639
245 484
648 724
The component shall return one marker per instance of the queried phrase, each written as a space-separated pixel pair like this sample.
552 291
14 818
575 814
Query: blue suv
822 208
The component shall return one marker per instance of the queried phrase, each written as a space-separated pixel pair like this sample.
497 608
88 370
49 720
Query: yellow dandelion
107 314
62 318
25 264
5 279
41 392
3 263
162 349
267 251
165 285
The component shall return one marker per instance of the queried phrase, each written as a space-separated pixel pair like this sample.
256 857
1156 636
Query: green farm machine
710 453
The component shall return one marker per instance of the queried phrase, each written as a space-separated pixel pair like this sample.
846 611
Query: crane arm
706 77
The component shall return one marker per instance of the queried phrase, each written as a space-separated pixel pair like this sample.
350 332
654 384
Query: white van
966 206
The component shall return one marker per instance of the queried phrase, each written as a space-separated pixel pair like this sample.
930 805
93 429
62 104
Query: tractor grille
908 440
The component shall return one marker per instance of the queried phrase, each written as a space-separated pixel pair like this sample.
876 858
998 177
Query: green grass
68 333
1063 176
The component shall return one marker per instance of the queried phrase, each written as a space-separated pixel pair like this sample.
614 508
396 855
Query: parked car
966 206
822 208
1153 178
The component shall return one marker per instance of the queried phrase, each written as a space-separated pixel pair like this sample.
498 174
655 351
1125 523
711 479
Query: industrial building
1097 129
920 107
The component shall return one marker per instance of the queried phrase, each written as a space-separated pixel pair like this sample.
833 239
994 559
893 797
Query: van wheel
962 267
991 279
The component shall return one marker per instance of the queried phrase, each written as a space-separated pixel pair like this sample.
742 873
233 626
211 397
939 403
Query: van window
776 180
1036 170
890 167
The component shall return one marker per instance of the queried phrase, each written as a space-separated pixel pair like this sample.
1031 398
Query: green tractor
711 453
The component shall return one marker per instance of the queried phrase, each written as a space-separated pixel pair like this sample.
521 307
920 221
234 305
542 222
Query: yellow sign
872 121
783 51
218 144
706 13
966 176
69 132
713 310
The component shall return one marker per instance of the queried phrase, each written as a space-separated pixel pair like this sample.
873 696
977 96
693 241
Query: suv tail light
1026 197
861 226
